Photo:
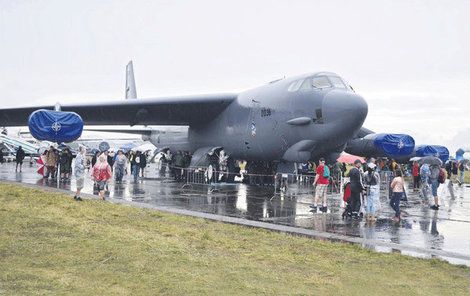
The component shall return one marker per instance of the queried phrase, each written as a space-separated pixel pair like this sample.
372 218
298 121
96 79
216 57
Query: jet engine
382 145
433 150
55 126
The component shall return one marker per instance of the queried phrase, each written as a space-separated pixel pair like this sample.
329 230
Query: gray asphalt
422 232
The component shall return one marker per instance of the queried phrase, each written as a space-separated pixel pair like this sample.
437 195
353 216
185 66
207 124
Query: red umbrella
40 164
349 158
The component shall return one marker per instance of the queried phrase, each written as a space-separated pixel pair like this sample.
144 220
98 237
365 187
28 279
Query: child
101 174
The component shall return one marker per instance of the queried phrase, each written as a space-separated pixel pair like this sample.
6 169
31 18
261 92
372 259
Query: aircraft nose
346 107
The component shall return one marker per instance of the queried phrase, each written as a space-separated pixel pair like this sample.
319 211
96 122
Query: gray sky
409 59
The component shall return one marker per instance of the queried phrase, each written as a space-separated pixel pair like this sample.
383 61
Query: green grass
50 244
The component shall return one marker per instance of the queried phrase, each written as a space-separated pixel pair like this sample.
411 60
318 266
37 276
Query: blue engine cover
459 154
394 145
433 150
55 126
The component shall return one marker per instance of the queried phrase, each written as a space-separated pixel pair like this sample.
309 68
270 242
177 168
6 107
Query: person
79 171
65 161
415 173
134 159
101 174
143 163
372 184
461 172
110 158
94 158
448 168
455 169
2 160
163 164
51 162
398 187
336 180
322 179
120 166
434 180
19 158
357 187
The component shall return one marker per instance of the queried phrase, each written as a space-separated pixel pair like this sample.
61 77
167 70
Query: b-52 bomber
291 120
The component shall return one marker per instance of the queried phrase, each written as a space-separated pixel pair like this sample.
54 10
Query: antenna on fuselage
131 92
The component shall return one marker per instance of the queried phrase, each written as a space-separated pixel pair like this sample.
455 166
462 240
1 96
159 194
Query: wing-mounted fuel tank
382 145
55 126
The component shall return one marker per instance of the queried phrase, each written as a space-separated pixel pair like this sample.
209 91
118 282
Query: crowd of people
362 191
363 187
102 165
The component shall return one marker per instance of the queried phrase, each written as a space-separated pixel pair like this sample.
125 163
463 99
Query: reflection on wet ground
447 229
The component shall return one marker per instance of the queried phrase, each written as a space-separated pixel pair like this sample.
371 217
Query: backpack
371 178
101 174
326 171
442 176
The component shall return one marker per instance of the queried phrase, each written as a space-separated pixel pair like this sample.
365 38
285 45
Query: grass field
50 244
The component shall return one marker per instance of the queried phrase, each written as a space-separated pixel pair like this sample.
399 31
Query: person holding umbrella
435 175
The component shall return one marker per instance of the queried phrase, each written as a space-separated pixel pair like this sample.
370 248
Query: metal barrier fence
288 184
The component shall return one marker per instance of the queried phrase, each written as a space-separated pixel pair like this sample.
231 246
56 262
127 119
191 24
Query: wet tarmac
446 230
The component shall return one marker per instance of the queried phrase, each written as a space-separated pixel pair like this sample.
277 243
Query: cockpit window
337 82
320 82
294 86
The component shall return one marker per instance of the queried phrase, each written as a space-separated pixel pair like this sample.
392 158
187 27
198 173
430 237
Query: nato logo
56 126
400 144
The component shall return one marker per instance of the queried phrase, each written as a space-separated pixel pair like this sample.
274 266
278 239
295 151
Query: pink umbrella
349 158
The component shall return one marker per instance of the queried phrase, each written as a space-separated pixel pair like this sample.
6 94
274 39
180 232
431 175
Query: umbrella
416 158
349 158
145 147
431 160
128 146
40 164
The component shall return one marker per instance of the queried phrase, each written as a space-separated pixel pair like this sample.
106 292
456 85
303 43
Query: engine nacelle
433 150
382 145
55 126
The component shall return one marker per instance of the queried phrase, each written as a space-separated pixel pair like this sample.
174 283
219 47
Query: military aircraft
288 120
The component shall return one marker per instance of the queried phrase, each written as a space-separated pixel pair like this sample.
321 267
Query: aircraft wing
184 110
363 132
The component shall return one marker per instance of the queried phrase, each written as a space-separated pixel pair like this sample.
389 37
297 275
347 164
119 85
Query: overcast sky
409 59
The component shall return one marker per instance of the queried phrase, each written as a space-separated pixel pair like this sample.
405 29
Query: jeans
135 171
372 199
434 186
395 202
462 175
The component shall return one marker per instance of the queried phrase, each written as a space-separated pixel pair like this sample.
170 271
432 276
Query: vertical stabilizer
131 92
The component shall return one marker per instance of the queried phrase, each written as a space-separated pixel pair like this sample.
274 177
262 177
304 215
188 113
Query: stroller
346 197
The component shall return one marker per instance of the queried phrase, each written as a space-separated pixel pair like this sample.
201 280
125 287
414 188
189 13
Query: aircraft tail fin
131 92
